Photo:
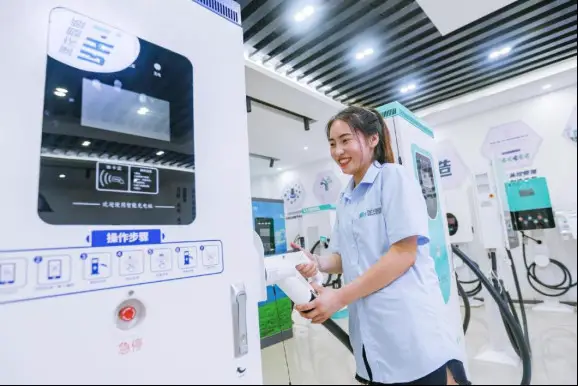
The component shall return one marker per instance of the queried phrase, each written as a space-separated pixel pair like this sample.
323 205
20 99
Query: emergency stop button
127 314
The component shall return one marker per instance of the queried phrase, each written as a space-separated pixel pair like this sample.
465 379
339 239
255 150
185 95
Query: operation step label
39 274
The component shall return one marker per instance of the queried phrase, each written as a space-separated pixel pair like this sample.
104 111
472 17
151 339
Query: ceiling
408 48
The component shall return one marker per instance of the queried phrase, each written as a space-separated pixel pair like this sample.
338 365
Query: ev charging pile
121 242
125 257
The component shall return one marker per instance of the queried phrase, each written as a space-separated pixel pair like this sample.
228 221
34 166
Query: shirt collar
368 179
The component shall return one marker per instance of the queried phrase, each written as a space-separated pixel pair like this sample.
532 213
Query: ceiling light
408 88
160 152
501 52
143 111
60 94
308 11
305 13
279 169
306 148
86 143
61 89
365 53
547 87
62 176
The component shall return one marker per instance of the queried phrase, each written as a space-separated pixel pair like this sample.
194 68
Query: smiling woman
381 244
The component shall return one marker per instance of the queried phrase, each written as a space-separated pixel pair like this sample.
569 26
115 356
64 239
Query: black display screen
117 146
426 180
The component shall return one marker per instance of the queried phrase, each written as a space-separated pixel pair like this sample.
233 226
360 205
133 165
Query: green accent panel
395 108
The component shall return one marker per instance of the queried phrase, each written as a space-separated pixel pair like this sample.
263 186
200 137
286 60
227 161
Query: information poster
327 187
453 170
515 144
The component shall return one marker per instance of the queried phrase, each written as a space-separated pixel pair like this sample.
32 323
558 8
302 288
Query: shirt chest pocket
368 230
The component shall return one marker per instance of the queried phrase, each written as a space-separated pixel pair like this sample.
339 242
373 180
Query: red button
127 314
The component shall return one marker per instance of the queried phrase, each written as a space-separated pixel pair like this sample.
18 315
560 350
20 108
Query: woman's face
350 149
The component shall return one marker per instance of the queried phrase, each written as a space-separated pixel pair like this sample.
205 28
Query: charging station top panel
117 130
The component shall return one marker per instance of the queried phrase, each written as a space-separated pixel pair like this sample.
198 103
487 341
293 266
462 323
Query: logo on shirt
370 212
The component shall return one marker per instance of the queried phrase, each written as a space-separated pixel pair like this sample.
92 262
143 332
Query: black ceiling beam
411 51
494 38
256 11
445 72
412 30
503 73
454 45
282 45
370 21
490 81
267 29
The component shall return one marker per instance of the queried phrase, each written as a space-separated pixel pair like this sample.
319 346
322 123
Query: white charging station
124 256
414 147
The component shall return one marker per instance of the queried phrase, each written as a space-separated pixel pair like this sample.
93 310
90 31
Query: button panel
35 274
533 219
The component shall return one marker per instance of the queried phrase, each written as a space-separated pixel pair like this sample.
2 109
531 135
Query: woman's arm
330 264
398 260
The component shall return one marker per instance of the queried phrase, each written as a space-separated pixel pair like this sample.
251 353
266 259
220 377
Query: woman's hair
368 122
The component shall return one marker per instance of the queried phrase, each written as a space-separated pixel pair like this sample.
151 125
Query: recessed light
160 152
62 176
365 53
279 169
60 94
86 143
306 148
305 13
408 88
546 87
143 111
501 52
61 89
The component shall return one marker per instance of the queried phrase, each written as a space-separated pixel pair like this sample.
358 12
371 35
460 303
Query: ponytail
383 151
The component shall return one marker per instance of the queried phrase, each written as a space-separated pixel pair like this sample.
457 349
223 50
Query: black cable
466 300
507 299
520 298
561 288
516 330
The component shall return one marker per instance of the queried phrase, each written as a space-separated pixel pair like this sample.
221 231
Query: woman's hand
328 302
310 269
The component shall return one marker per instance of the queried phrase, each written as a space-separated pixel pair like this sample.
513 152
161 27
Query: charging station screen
118 128
105 107
426 180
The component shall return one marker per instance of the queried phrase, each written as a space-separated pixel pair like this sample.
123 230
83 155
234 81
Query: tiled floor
316 357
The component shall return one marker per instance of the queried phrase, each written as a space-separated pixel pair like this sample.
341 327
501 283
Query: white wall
556 160
273 186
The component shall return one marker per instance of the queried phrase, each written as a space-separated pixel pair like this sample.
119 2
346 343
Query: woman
380 244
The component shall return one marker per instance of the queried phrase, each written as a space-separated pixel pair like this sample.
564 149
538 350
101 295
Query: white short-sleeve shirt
402 326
